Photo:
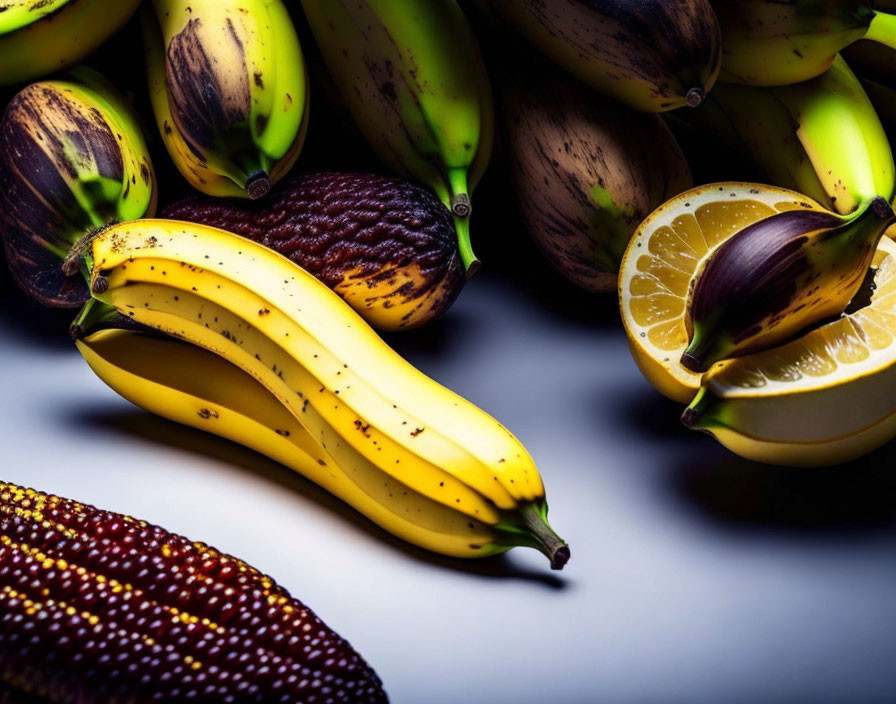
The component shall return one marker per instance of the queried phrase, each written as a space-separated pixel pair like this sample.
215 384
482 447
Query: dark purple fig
72 159
386 246
97 607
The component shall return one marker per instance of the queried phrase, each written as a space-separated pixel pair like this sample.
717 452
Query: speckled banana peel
229 92
822 138
38 38
413 77
822 399
369 412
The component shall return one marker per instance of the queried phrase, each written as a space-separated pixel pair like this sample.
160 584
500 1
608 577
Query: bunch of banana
412 75
39 37
774 43
72 159
586 171
414 457
228 86
652 55
821 138
777 277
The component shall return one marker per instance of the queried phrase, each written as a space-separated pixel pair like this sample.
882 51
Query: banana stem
882 29
467 257
529 527
93 314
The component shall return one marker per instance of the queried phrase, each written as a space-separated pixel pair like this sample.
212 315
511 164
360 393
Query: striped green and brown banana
586 171
774 43
229 91
38 37
72 159
98 607
412 75
652 55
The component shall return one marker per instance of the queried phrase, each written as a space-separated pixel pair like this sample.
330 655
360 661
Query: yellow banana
229 91
366 407
413 77
821 138
72 159
37 38
774 43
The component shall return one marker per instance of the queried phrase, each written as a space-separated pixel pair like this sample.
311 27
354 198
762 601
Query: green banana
774 43
413 78
72 160
821 138
875 65
229 91
37 38
652 55
777 277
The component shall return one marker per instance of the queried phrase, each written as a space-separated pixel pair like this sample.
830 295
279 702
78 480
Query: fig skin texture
386 246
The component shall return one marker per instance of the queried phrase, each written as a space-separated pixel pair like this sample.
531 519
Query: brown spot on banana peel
389 247
205 100
764 281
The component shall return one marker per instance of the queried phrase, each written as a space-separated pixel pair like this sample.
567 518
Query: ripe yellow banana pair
229 91
414 457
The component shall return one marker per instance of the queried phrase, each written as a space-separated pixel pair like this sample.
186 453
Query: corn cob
97 607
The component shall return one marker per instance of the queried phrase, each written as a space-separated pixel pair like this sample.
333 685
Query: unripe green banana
72 160
875 65
777 277
652 55
229 91
822 138
774 43
37 38
412 75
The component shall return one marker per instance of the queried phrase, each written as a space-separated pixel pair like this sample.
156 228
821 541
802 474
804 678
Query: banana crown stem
882 29
529 527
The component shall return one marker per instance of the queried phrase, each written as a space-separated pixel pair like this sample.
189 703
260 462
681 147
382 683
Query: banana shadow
847 501
150 428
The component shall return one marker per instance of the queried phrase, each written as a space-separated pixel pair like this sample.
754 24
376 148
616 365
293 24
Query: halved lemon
824 398
660 262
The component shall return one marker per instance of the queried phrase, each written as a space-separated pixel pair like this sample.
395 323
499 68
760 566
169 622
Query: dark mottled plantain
652 55
586 171
100 608
386 246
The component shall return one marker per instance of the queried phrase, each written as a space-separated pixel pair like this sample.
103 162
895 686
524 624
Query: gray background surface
695 577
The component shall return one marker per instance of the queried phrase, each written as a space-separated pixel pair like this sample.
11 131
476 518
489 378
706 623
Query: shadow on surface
436 340
645 412
848 500
150 428
29 320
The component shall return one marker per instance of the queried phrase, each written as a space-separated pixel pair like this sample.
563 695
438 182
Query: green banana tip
258 184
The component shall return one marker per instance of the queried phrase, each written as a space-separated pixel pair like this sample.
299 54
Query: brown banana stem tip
692 364
695 96
689 417
461 206
258 184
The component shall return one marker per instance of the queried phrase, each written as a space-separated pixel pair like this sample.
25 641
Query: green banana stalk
229 91
821 138
586 170
37 38
652 55
777 277
72 160
412 75
774 43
